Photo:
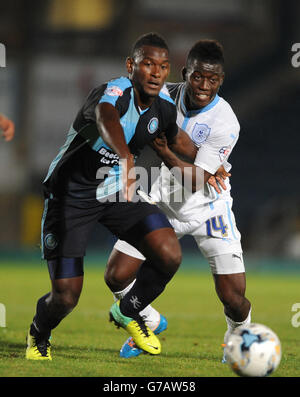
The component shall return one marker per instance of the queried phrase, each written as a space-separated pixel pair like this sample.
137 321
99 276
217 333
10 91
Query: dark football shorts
67 224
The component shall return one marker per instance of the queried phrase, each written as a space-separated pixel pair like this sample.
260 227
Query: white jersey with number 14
214 130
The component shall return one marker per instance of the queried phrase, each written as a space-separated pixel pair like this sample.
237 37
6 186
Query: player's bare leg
120 270
231 289
163 253
50 310
64 296
163 260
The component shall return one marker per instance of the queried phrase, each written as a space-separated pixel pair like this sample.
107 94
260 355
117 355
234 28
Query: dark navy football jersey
85 159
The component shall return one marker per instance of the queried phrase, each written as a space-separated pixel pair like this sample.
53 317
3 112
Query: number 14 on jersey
217 224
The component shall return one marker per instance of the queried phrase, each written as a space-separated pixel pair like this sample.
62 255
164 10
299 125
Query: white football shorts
217 238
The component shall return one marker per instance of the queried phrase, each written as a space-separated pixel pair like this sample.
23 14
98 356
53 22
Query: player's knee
67 299
170 257
163 249
114 279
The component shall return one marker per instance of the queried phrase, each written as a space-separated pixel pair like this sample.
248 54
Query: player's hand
7 127
128 177
160 144
218 179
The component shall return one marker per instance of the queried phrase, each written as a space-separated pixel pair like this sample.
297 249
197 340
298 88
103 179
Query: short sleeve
168 113
114 93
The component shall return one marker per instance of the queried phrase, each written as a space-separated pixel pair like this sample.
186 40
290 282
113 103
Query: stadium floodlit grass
86 345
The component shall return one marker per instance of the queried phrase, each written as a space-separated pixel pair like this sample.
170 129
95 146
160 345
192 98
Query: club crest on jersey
113 91
153 125
200 133
224 152
50 241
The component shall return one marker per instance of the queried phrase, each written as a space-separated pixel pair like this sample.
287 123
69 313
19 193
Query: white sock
151 317
149 314
232 325
120 294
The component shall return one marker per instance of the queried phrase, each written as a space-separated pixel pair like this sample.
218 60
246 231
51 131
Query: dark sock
39 327
149 284
46 318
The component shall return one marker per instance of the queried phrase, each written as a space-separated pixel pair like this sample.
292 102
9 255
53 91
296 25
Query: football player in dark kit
92 180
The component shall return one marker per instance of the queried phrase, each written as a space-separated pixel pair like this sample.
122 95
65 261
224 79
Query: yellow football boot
37 350
142 335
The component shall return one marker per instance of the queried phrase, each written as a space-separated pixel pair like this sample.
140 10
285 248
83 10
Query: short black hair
152 39
209 51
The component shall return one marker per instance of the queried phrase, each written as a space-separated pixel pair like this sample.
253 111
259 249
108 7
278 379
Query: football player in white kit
204 214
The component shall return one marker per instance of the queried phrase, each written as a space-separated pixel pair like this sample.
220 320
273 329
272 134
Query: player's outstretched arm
195 175
182 145
8 128
111 131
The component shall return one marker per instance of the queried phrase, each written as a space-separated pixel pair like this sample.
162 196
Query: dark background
56 50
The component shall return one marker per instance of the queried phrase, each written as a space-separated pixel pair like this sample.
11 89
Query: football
253 350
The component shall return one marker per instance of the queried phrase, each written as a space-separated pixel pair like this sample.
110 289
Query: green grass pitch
86 345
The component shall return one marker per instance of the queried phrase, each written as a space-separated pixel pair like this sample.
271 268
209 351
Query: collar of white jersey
202 110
